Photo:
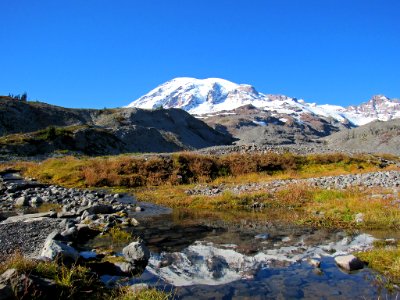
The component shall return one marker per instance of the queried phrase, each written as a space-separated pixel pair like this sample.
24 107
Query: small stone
314 262
125 267
390 241
36 200
138 208
359 218
133 221
262 236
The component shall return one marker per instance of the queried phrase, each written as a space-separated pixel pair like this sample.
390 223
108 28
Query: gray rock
6 281
100 209
36 200
136 252
359 218
55 249
18 283
349 262
28 217
125 267
22 201
133 221
70 232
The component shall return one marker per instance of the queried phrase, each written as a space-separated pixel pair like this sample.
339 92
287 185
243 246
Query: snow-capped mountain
379 107
214 95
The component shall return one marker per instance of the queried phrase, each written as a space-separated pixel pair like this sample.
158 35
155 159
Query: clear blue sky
97 53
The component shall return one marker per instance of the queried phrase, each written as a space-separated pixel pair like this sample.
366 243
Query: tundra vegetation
165 179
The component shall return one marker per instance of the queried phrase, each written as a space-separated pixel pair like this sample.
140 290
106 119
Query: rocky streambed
70 218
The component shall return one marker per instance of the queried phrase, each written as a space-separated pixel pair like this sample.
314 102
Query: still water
214 256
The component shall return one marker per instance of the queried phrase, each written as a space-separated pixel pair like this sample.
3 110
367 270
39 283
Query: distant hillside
25 129
377 136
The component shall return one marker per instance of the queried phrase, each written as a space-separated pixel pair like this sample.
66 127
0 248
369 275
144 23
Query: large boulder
53 249
22 201
136 253
100 209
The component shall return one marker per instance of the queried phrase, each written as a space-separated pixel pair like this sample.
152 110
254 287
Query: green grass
338 208
45 207
298 204
48 134
71 281
125 293
385 259
118 236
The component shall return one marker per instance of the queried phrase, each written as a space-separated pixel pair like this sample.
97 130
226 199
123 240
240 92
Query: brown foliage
179 168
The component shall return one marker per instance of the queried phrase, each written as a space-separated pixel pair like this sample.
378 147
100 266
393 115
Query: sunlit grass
126 293
70 280
308 206
384 259
46 207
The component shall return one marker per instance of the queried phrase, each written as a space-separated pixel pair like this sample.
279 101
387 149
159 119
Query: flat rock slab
349 262
26 237
29 217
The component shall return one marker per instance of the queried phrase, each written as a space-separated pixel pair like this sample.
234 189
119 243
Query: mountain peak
197 96
215 95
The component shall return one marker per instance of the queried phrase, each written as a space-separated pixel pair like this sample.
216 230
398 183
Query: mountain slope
24 127
252 125
377 136
214 95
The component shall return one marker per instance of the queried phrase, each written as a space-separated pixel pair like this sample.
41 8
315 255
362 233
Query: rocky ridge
33 128
385 179
378 136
